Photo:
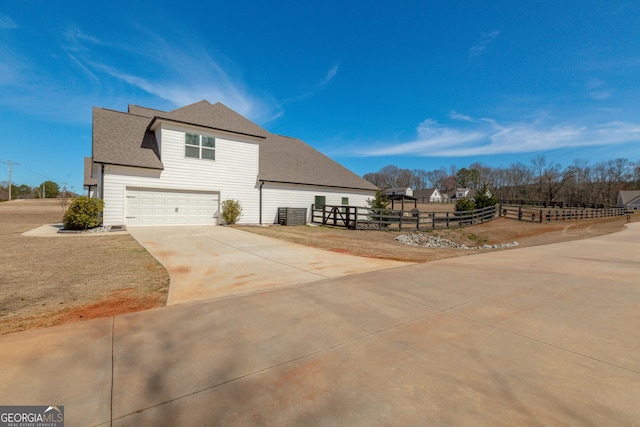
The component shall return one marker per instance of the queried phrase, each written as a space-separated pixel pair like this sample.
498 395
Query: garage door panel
168 207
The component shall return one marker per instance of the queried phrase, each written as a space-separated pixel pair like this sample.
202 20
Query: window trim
188 143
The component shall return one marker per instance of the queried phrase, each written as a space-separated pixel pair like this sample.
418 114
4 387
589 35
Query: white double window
199 146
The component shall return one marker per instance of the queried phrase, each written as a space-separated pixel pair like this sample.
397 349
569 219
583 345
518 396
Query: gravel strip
428 241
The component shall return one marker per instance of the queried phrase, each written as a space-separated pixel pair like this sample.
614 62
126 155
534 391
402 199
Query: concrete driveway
534 336
209 262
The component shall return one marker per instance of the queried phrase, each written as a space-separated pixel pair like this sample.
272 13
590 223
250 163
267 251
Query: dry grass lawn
382 244
47 281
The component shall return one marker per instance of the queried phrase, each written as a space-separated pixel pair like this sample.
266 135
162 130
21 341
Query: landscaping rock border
425 240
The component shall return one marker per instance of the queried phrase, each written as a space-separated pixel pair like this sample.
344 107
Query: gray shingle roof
123 139
214 116
626 197
290 160
424 193
88 179
144 111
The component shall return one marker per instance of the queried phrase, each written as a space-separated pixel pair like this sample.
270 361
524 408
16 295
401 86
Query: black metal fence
523 213
364 218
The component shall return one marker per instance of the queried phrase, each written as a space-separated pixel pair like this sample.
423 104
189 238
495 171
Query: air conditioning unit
292 216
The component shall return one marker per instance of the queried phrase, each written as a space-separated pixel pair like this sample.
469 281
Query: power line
32 171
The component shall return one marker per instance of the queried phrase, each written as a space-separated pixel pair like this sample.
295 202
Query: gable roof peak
214 116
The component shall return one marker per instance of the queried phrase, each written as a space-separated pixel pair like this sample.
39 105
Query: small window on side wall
199 146
320 201
192 145
345 200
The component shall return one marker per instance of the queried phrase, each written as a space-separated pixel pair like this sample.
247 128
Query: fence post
348 218
356 219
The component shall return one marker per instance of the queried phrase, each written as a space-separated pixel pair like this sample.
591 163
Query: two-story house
175 168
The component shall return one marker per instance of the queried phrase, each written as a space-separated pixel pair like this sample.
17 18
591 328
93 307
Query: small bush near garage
231 211
84 213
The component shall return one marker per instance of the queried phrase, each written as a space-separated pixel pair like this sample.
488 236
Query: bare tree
635 175
435 178
418 179
518 177
539 164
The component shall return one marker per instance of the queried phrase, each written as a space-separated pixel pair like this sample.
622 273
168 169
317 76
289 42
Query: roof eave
129 165
316 185
152 126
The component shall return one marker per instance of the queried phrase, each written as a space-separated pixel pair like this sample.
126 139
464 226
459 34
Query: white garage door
168 207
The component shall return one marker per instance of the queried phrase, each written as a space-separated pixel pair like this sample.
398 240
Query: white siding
233 173
276 196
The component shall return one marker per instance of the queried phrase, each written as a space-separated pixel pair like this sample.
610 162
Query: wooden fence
553 205
547 215
361 218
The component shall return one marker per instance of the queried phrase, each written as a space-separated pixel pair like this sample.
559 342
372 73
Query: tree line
540 180
48 189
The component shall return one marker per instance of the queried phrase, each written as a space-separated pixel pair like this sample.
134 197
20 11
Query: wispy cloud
597 90
7 23
457 116
479 47
76 40
328 77
180 73
489 137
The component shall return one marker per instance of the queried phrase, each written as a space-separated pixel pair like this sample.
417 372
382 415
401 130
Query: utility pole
10 163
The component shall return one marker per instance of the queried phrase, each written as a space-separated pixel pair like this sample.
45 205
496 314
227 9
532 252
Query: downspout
101 195
260 208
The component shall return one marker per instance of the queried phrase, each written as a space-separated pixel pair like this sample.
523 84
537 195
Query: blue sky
417 84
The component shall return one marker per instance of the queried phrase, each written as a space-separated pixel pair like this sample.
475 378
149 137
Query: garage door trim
150 206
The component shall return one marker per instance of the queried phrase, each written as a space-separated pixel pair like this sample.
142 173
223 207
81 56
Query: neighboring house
90 183
463 193
429 195
466 193
629 200
175 168
404 191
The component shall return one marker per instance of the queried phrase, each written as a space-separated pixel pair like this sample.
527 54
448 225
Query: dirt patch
48 281
120 302
382 244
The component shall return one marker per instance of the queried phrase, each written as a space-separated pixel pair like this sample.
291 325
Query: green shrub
231 211
465 205
378 207
484 198
83 213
